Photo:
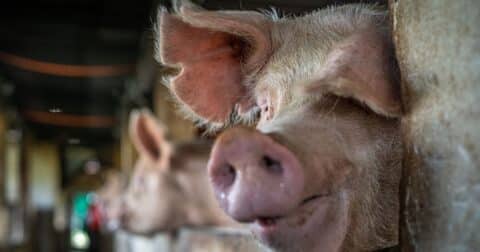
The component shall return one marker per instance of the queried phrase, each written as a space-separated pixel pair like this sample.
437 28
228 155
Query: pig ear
362 68
149 138
216 51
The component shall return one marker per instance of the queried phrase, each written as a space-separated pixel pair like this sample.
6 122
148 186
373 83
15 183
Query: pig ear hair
217 53
149 137
363 68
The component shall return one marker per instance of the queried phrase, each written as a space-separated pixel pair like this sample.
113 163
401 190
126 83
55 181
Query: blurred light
92 167
80 206
73 141
90 197
55 110
80 239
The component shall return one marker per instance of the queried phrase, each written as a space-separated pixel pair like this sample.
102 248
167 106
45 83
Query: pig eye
265 112
265 109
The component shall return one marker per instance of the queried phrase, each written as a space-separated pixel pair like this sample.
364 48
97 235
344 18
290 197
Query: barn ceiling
69 61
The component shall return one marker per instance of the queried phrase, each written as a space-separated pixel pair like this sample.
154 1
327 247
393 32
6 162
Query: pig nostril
226 176
272 165
231 173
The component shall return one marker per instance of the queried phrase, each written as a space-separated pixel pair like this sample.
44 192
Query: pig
110 200
169 187
309 110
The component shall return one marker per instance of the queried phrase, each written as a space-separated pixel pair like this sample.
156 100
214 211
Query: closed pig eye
266 109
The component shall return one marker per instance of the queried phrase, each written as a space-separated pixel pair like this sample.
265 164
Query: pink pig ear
149 138
362 68
216 51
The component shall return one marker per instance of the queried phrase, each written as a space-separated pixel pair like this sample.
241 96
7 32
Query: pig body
169 187
320 170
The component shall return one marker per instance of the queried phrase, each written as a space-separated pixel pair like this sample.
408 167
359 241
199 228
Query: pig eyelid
264 102
266 111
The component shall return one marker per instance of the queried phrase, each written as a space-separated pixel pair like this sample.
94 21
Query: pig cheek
311 216
323 225
144 216
305 229
137 211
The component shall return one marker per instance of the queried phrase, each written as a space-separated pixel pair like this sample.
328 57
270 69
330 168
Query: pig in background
109 197
169 187
321 169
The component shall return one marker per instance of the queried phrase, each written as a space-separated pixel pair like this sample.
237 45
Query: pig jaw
364 194
151 219
319 225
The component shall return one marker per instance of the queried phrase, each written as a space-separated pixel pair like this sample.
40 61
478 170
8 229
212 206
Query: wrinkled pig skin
320 170
169 187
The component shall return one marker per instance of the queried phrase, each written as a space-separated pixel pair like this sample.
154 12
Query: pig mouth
270 224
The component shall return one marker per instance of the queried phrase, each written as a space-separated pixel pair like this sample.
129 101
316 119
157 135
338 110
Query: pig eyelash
250 118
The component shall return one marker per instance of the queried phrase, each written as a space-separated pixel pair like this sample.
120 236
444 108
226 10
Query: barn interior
71 72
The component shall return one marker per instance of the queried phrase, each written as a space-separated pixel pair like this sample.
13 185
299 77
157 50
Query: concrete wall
438 48
3 131
3 209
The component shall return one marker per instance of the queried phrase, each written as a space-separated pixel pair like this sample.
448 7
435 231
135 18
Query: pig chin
318 224
142 225
136 227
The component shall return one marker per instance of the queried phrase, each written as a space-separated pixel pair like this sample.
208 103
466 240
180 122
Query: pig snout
253 176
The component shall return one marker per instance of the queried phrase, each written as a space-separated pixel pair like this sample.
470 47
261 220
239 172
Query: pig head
110 199
320 170
169 187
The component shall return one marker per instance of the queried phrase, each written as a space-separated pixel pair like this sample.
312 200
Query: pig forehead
301 45
292 63
297 56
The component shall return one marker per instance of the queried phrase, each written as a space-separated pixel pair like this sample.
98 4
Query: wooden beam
64 70
69 120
